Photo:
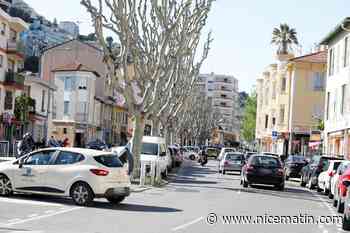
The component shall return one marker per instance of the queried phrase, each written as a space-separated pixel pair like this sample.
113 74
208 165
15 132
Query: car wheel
326 192
82 194
115 200
330 195
346 223
5 186
340 206
223 172
335 203
287 177
192 157
319 189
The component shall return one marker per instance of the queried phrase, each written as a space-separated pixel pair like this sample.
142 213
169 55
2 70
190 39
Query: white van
154 149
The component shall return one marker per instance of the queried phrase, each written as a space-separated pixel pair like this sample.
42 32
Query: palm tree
284 37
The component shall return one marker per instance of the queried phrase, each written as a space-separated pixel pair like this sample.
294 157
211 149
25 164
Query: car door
31 171
62 171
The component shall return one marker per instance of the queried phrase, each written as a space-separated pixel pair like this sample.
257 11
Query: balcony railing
13 78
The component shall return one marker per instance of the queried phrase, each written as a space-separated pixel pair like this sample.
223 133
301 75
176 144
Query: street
181 206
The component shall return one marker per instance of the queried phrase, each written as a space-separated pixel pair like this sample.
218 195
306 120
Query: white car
225 150
324 179
153 149
81 174
334 181
190 153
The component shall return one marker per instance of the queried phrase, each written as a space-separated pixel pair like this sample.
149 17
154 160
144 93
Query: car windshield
212 152
109 160
266 161
149 149
234 157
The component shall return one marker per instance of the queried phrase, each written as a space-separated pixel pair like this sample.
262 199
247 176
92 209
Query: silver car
232 161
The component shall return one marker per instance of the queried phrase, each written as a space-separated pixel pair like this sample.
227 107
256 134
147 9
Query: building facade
337 109
224 95
290 100
11 64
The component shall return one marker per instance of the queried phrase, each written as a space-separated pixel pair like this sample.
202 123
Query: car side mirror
346 183
163 154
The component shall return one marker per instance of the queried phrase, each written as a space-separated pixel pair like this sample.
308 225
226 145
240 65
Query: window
109 160
335 102
66 108
149 149
69 84
66 157
318 81
8 100
64 130
343 94
346 51
273 121
13 35
82 84
282 114
1 60
331 62
266 121
337 58
284 84
328 101
39 158
82 107
43 101
274 90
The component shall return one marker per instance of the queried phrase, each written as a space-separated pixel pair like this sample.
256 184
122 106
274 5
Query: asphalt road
181 206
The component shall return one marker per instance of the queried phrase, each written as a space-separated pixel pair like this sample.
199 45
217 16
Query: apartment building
290 103
75 53
337 108
223 92
11 64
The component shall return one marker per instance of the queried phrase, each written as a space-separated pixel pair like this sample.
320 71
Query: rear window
298 159
234 157
229 150
109 160
149 149
265 161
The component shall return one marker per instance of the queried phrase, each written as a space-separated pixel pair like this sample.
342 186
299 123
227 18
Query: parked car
293 165
225 150
340 191
190 153
335 179
97 145
81 174
263 169
346 216
153 149
231 161
324 179
212 152
310 173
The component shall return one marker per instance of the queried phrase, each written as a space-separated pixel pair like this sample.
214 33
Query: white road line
33 215
28 202
187 224
43 216
14 220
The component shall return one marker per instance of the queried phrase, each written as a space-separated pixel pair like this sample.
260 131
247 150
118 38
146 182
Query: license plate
265 171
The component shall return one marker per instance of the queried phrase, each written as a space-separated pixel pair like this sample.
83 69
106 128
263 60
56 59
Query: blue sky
241 29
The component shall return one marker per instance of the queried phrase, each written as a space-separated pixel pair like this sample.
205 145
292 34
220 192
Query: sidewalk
4 159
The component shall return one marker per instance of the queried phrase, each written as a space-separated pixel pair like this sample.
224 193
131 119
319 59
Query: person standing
66 142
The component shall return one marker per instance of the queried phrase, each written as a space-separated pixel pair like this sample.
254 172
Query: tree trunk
155 128
139 125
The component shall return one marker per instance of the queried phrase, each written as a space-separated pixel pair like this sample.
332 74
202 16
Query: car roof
151 139
233 153
266 155
88 152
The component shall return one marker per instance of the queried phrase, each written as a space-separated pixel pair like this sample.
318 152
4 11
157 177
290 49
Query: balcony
14 79
15 47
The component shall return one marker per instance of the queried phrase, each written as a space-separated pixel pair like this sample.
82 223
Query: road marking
43 216
14 220
187 224
28 202
33 215
49 211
